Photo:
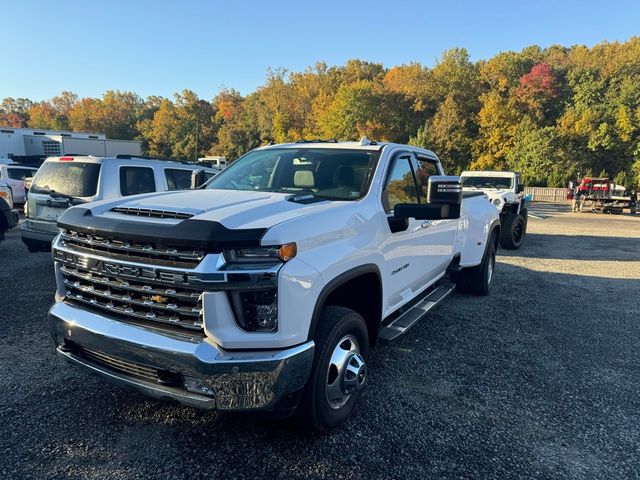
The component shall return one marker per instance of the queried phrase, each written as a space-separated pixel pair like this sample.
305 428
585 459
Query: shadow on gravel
539 379
577 247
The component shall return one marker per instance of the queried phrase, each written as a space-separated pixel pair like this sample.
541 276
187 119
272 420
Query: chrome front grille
127 250
175 306
94 273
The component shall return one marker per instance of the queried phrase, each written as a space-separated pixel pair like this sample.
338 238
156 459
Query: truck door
439 235
409 257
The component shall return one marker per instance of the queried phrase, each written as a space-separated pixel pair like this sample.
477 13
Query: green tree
449 134
535 154
621 179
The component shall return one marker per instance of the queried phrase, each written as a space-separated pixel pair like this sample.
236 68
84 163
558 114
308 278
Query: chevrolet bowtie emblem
159 299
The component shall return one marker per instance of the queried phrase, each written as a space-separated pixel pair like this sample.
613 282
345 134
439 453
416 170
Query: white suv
14 174
62 182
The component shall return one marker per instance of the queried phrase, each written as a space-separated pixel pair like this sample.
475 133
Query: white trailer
29 145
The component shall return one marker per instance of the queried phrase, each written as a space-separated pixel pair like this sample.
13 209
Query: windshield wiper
54 194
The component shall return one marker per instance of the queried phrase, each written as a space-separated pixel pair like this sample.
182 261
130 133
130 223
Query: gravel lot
540 379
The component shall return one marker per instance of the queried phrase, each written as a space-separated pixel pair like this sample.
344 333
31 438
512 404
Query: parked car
14 174
8 216
506 191
62 182
266 289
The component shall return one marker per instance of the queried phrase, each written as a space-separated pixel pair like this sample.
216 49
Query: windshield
75 179
330 173
488 182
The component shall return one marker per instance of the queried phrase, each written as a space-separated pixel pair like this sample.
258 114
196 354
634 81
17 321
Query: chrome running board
410 317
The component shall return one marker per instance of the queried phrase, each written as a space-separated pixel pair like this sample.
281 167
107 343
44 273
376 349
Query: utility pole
195 154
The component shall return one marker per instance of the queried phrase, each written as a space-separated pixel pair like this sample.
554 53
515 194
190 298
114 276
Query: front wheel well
495 232
360 292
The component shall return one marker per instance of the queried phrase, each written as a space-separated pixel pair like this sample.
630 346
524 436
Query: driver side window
401 185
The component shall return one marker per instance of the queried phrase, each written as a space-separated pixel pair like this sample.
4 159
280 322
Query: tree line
553 114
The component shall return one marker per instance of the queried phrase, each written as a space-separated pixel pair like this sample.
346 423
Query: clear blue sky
160 47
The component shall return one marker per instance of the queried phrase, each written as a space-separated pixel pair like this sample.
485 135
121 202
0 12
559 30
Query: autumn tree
14 112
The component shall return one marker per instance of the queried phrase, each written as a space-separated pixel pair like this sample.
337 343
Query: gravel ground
540 379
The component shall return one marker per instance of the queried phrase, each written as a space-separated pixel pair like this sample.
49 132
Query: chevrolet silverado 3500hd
265 289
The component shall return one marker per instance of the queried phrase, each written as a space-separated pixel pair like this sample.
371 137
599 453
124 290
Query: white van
62 182
14 174
216 162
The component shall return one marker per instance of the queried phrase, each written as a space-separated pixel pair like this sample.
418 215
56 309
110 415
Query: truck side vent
150 212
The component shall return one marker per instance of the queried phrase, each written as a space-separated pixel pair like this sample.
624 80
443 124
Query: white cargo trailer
29 145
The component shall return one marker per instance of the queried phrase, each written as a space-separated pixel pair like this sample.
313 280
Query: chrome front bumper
223 380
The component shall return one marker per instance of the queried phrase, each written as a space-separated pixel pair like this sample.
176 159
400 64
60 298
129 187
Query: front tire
513 232
338 373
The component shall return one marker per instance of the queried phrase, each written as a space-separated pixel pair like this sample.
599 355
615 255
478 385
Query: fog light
256 311
196 385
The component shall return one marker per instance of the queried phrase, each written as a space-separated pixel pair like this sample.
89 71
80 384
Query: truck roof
364 144
129 160
486 173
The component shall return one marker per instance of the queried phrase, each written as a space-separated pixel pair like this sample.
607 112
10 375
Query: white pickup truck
265 289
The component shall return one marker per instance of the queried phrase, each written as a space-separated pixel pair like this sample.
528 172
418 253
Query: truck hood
491 192
235 209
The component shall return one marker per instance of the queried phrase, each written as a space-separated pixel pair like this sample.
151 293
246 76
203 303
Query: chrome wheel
346 373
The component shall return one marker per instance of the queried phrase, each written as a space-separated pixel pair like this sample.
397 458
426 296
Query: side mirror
444 190
197 178
520 188
444 197
397 224
422 211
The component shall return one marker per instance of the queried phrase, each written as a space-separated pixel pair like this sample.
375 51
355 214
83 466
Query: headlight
282 253
497 201
257 310
5 194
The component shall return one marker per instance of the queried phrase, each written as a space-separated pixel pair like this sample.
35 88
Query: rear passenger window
401 187
18 173
178 179
134 180
423 172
